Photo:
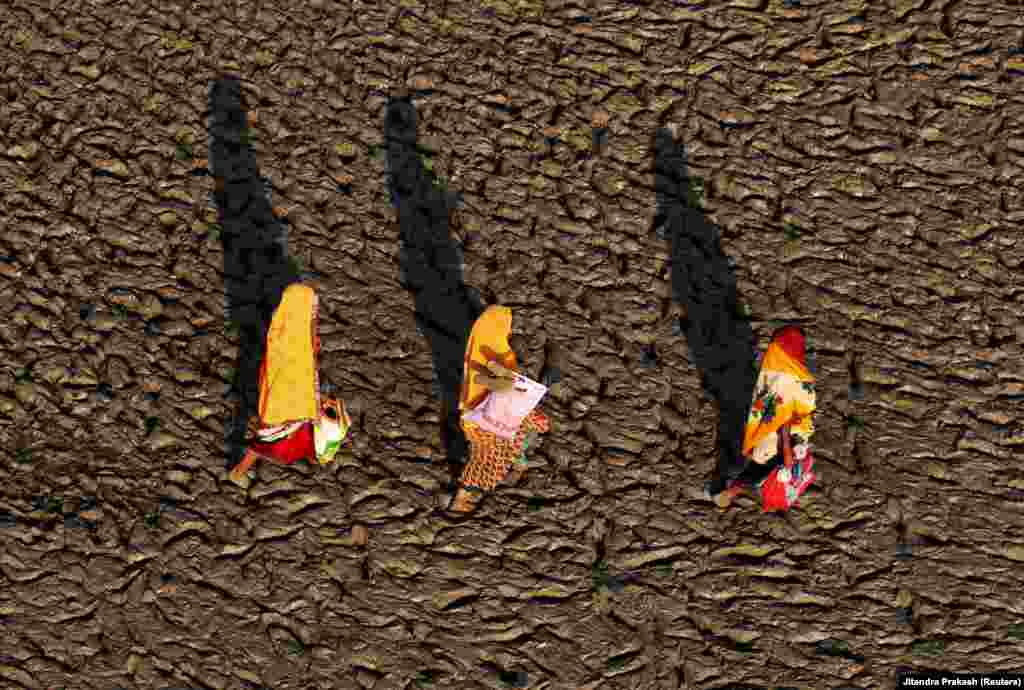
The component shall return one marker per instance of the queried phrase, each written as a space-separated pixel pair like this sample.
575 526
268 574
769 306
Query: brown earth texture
652 186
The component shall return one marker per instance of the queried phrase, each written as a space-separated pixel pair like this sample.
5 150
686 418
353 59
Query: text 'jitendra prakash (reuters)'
960 680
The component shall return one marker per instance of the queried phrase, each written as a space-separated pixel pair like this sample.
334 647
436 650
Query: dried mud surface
861 163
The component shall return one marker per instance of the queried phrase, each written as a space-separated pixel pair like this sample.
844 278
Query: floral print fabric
784 402
781 398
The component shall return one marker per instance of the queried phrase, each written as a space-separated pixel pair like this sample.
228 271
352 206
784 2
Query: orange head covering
488 342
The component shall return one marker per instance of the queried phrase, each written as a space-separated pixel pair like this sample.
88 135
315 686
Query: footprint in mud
599 135
649 357
837 648
507 679
1009 433
515 679
105 392
856 391
904 551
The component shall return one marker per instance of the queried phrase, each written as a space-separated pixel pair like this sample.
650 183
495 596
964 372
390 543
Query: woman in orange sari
490 365
294 424
779 427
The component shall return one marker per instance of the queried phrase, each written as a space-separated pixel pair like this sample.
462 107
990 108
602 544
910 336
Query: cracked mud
845 166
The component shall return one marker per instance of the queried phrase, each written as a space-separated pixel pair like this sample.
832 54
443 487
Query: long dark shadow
721 340
256 264
431 265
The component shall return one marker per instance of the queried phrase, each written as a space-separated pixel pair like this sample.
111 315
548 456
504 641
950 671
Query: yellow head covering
288 380
488 342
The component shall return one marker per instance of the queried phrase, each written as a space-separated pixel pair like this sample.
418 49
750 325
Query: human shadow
430 261
720 338
257 268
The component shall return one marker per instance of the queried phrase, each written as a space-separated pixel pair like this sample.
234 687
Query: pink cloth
502 413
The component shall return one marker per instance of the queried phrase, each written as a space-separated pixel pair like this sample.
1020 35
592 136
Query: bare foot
465 501
242 479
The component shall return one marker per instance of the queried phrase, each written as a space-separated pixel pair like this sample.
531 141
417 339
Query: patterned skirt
491 456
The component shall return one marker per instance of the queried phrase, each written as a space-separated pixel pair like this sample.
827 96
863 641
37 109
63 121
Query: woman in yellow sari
490 365
776 442
294 424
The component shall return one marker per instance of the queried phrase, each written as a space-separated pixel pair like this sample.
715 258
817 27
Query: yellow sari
290 390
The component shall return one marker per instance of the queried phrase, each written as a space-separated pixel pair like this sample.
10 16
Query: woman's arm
802 430
501 372
767 449
495 384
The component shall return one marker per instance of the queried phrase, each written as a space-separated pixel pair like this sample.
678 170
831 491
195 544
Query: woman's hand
500 372
767 449
495 383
